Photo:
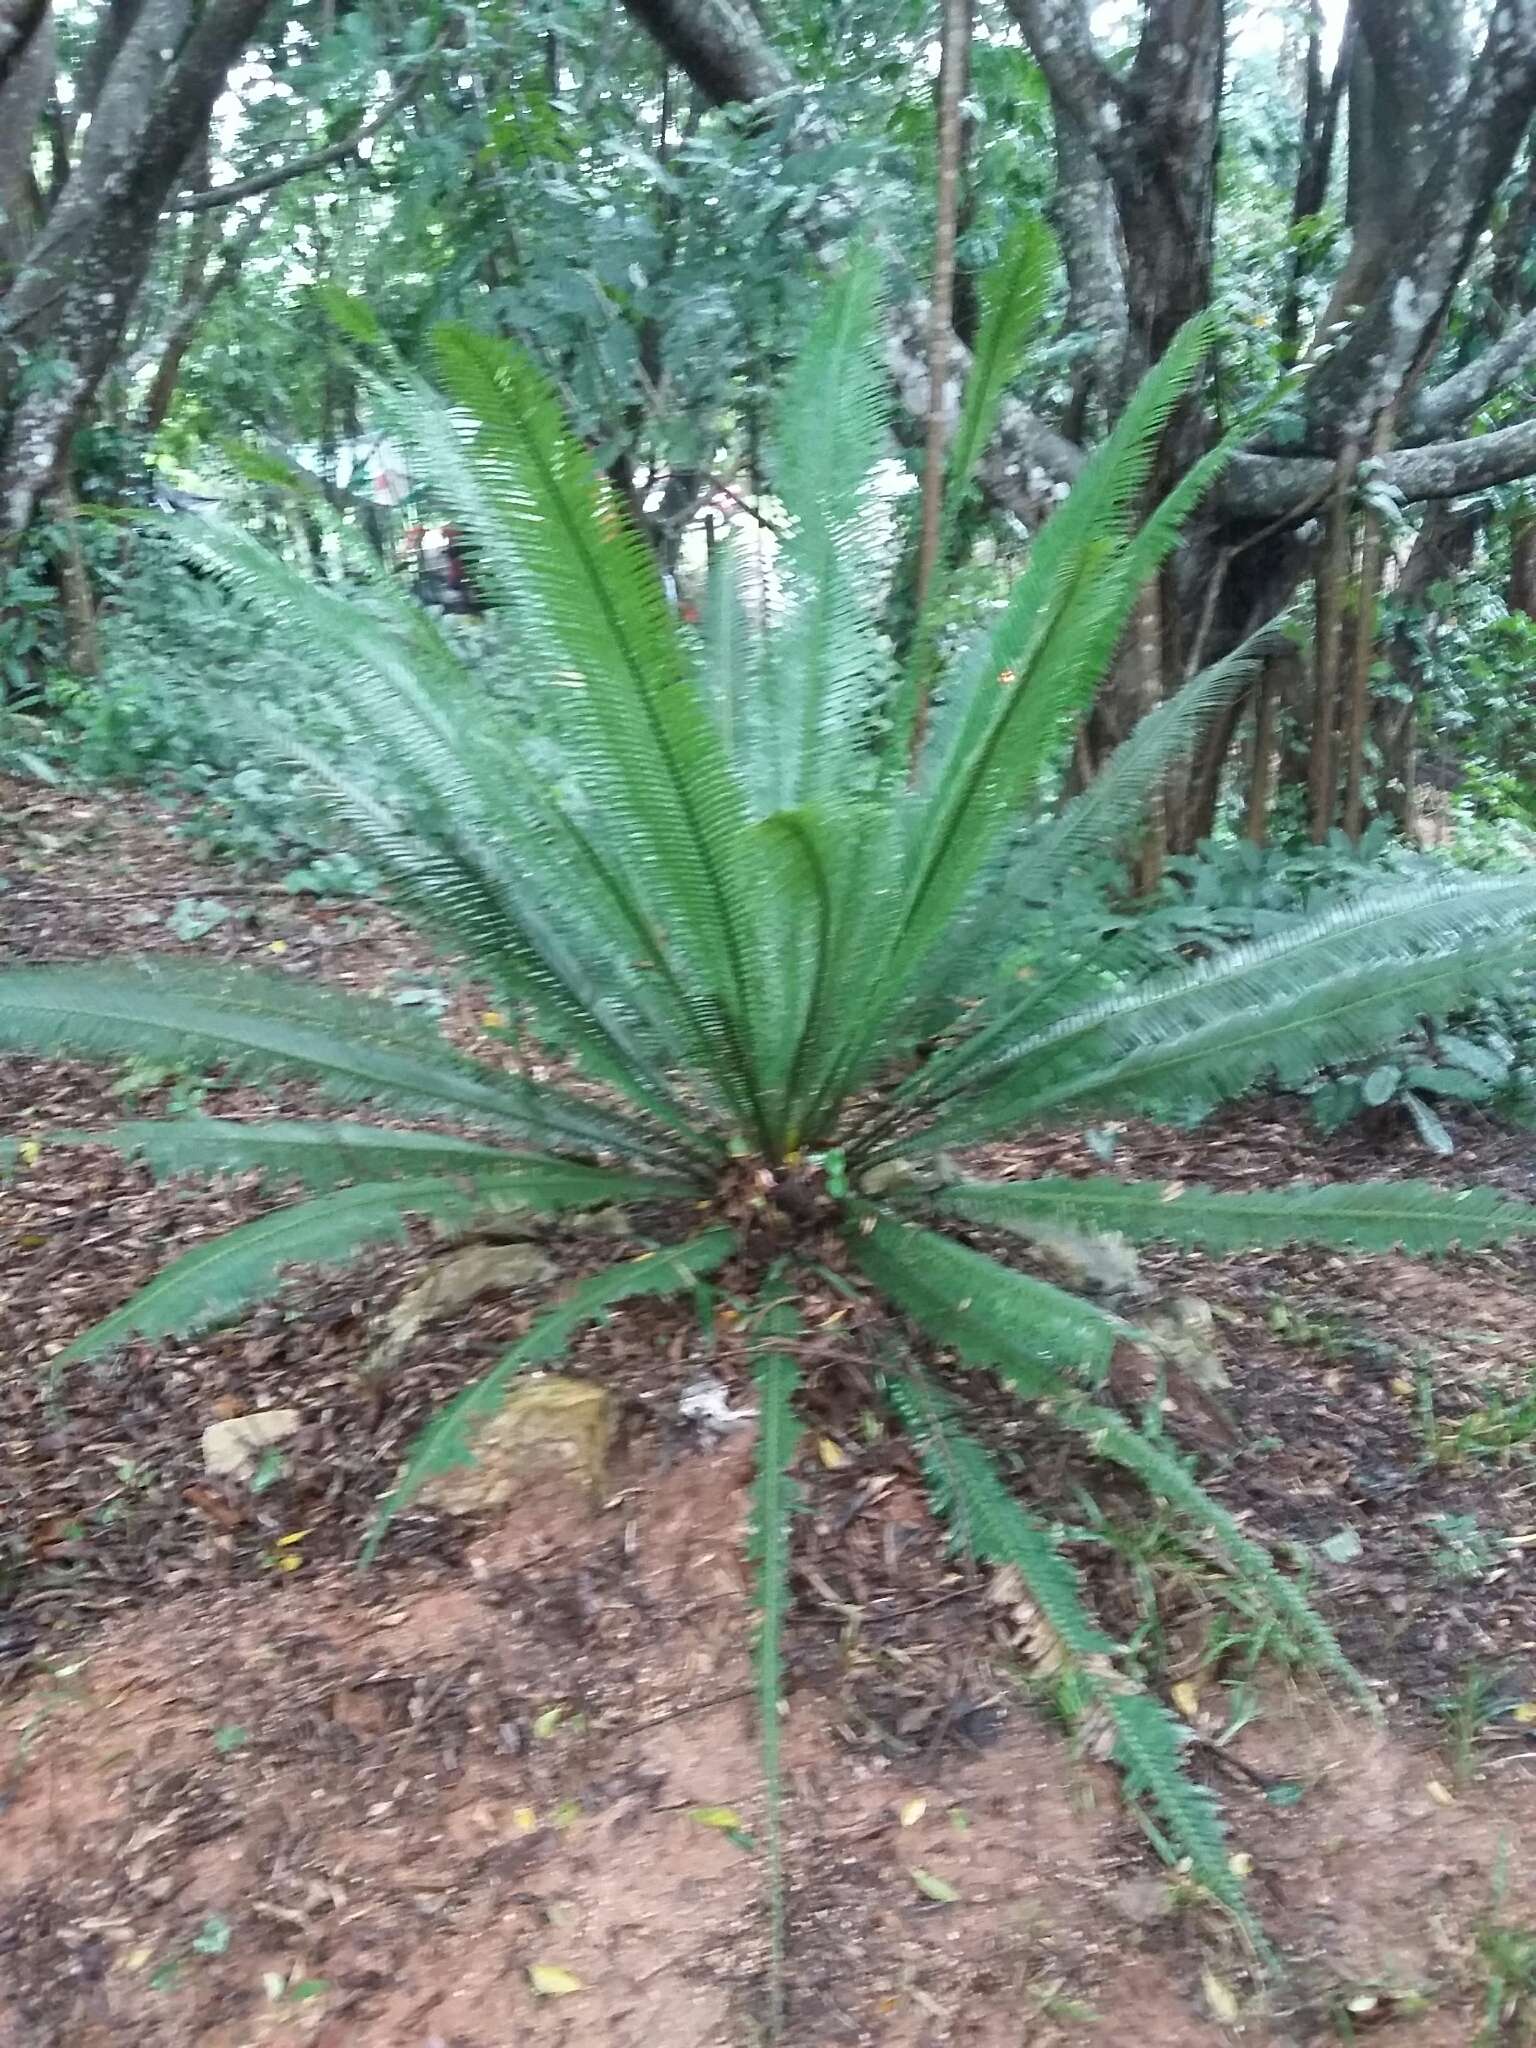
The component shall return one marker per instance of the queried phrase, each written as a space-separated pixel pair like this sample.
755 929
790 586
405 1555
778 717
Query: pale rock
232 1448
548 1427
454 1281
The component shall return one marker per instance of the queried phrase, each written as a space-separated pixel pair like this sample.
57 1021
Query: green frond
1149 1745
1037 1336
211 1283
987 1522
262 1025
448 1440
730 658
985 1519
1370 1216
775 1497
317 1155
1015 696
333 1153
1013 295
1099 819
970 958
1164 1473
642 742
828 673
449 800
1332 989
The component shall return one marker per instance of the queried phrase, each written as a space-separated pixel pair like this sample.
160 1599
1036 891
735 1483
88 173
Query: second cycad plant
710 871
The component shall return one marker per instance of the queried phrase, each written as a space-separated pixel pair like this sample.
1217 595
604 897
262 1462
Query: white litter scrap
706 1401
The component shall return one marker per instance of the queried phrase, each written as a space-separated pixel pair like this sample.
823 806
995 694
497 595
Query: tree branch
316 159
720 46
1406 289
1061 42
1449 402
1283 487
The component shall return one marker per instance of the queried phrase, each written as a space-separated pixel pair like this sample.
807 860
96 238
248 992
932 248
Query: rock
550 1427
1101 1264
232 1448
1183 1333
1143 1900
453 1281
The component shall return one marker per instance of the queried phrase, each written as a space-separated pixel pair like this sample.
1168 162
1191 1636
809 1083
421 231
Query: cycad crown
709 872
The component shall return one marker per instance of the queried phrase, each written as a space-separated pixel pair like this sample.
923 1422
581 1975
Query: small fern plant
725 877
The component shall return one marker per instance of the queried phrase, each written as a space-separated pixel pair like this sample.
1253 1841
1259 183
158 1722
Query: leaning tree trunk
67 294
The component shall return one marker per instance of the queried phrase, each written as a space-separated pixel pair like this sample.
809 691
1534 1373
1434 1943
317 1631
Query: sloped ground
248 1795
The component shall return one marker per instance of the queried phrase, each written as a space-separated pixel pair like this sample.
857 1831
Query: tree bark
69 297
1331 584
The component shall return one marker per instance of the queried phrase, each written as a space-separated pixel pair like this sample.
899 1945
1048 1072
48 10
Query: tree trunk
954 43
77 602
69 297
1330 585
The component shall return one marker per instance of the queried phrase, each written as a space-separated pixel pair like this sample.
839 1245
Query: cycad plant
772 941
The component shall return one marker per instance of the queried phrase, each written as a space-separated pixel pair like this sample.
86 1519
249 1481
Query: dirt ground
249 1795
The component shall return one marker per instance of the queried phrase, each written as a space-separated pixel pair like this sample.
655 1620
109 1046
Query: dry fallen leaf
912 1811
1441 1794
550 1981
1220 1997
1240 1863
831 1454
524 1819
1525 1713
1186 1697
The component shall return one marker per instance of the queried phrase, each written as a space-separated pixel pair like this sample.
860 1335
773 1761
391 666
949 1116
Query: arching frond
215 1280
1369 1216
1039 1335
260 1024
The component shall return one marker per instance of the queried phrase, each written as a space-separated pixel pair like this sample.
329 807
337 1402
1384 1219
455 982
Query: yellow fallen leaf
493 1020
550 1981
1441 1794
30 1151
1240 1863
1404 1387
293 1536
831 1454
1525 1713
290 1561
278 946
524 1819
715 1816
912 1811
936 1888
1219 1996
137 1958
547 1722
1186 1697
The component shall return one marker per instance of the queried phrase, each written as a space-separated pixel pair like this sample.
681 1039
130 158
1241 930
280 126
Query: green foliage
1229 892
774 1499
698 864
1373 1216
1146 1741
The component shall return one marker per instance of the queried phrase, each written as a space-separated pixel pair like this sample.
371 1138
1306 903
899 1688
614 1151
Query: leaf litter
233 1786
